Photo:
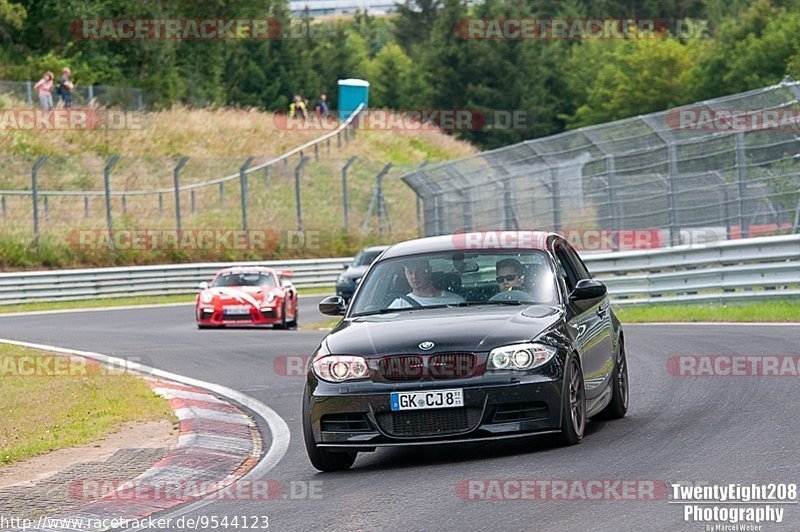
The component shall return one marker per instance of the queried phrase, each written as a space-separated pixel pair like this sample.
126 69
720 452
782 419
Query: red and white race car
247 296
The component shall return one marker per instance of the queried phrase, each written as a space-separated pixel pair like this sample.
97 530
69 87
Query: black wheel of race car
618 406
201 326
573 404
293 323
323 459
282 323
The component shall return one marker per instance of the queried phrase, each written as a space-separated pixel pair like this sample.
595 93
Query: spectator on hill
64 87
297 109
44 88
322 107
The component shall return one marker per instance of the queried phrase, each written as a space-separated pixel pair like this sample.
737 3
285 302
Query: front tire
573 401
618 406
323 459
282 324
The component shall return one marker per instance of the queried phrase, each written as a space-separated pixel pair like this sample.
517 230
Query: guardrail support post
243 185
266 176
345 203
672 175
338 139
90 96
4 206
383 211
124 205
160 203
297 198
316 152
556 200
46 207
35 196
741 179
328 142
221 194
795 226
176 183
193 200
107 184
86 206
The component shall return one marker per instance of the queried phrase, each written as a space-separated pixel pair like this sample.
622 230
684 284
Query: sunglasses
507 278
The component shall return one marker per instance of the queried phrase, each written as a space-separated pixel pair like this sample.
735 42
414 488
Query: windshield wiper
400 309
476 303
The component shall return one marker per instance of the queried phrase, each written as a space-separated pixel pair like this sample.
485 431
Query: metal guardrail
76 285
755 268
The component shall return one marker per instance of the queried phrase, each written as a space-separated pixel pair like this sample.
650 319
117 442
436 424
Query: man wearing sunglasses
510 275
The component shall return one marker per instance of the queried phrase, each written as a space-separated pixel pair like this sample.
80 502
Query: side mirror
203 286
333 306
345 266
588 289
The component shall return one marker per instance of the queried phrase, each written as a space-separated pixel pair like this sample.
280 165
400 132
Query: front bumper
359 416
216 317
345 291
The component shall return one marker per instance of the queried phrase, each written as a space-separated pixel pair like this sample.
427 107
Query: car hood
242 294
354 272
471 329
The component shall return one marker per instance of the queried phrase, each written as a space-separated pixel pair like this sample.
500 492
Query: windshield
244 279
456 279
365 258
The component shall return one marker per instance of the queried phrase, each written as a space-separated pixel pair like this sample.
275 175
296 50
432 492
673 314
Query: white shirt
444 299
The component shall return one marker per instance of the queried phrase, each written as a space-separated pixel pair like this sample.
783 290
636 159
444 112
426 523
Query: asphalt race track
716 430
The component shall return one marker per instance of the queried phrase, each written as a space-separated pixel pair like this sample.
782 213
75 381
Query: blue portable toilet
352 93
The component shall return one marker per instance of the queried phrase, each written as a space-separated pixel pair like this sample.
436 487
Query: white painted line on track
277 426
92 309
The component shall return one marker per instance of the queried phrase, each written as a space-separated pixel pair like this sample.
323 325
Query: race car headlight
520 356
270 299
339 368
207 298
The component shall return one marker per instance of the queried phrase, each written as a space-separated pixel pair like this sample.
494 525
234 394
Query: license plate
426 400
237 310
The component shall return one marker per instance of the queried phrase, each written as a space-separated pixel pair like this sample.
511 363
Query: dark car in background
447 341
348 280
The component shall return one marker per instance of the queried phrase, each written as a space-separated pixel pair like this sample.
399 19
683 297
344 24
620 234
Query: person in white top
418 275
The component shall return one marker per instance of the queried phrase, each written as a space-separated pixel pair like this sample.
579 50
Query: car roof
375 248
246 269
472 241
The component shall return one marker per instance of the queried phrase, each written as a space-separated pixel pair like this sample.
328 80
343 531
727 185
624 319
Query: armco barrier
755 268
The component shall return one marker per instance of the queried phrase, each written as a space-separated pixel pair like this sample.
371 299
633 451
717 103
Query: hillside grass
217 142
52 402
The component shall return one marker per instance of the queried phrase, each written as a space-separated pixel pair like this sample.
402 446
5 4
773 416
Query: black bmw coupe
466 337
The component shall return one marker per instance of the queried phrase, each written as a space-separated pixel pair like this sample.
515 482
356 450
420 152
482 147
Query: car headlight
207 298
270 298
520 356
339 368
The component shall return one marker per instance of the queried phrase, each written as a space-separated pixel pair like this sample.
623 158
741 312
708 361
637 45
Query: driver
510 275
418 275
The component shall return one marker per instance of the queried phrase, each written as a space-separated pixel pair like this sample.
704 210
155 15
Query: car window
365 258
456 278
566 268
244 279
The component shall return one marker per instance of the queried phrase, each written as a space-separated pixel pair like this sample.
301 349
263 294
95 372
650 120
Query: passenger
510 275
418 275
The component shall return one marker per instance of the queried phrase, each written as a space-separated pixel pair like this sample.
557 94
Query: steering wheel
513 295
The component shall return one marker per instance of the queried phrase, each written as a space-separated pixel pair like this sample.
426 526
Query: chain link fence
126 98
720 169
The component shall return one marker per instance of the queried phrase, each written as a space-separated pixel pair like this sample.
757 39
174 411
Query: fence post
193 200
86 206
297 198
345 203
124 205
795 226
329 145
467 202
243 185
176 183
316 152
554 190
90 96
266 176
741 180
672 175
382 210
339 139
29 93
35 194
4 206
107 185
160 203
46 207
221 193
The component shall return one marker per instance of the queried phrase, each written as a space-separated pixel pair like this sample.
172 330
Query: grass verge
65 402
766 311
